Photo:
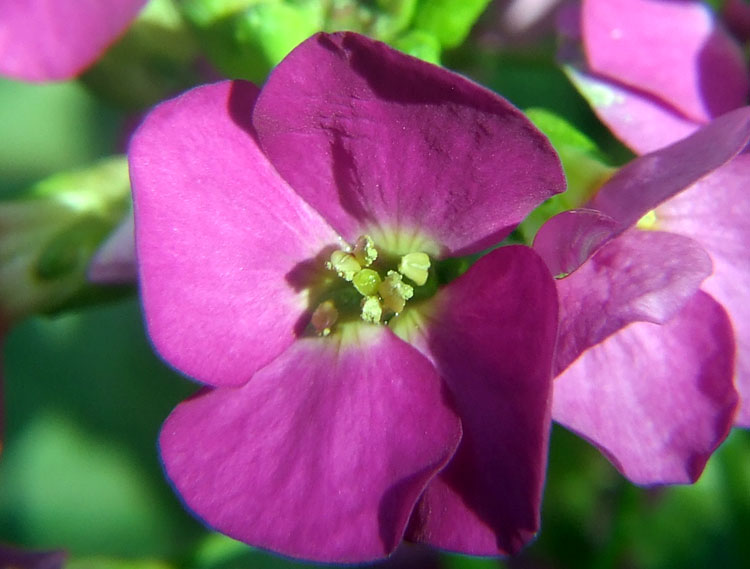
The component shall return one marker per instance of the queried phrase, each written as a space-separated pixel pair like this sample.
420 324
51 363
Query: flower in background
42 40
736 15
16 558
291 246
645 354
652 89
519 22
649 87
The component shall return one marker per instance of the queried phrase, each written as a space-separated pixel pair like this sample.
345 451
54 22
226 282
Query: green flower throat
370 285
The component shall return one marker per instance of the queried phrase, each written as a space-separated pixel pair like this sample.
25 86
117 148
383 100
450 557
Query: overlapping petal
640 276
647 181
695 66
716 212
657 399
321 455
491 339
570 238
57 39
643 122
220 237
371 137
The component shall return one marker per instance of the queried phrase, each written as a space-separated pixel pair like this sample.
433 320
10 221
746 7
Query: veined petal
641 121
371 137
647 181
567 240
695 66
716 213
219 237
655 399
42 40
323 454
491 338
639 276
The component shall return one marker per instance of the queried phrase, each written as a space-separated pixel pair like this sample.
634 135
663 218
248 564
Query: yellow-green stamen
344 265
364 251
382 297
415 266
395 292
367 282
372 310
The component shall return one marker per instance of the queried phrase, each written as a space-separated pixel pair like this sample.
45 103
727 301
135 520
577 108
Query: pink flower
650 87
645 355
258 213
42 40
653 88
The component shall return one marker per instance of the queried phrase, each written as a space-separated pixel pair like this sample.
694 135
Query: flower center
371 285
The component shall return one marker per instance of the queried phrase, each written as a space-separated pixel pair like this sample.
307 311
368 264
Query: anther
372 310
365 251
344 264
415 266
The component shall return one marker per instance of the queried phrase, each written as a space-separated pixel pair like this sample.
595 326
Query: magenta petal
56 39
492 339
639 276
571 237
656 399
695 65
371 137
716 213
219 236
322 454
642 122
644 183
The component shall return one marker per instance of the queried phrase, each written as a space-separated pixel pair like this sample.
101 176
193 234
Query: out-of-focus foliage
156 58
246 38
85 395
50 232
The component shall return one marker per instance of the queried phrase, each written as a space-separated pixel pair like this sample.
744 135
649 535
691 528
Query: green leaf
84 399
47 128
419 44
245 39
64 479
454 561
49 233
450 21
583 163
153 60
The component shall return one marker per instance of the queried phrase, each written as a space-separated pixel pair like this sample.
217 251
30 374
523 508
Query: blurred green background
85 394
